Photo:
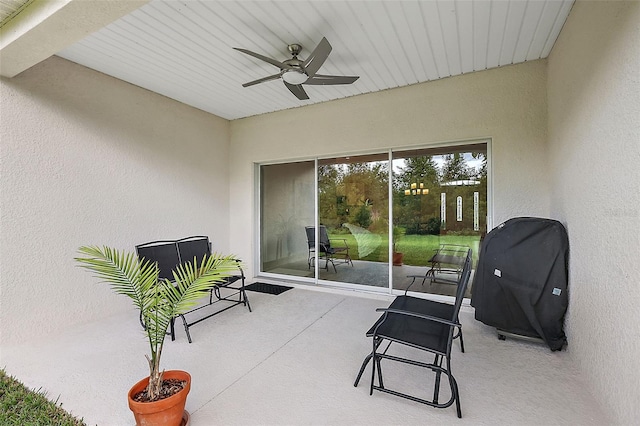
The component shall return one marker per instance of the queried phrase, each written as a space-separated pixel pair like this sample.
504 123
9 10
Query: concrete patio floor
293 361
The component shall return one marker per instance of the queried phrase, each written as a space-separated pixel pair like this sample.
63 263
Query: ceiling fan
295 72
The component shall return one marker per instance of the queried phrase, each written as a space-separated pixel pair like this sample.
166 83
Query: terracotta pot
165 412
397 258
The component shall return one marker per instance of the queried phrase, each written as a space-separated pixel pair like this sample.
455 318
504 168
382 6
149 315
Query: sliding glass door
353 207
327 221
287 199
439 205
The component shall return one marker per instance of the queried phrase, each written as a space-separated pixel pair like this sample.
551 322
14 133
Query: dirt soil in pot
169 388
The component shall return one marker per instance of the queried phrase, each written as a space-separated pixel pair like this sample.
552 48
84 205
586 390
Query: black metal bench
168 254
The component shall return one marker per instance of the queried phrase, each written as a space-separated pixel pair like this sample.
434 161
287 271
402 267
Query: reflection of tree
416 169
331 209
482 173
357 193
455 168
420 214
363 216
413 212
353 193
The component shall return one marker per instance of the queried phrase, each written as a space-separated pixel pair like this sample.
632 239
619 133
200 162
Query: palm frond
157 321
159 301
192 279
122 271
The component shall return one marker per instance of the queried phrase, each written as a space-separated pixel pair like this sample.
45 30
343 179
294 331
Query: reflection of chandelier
415 190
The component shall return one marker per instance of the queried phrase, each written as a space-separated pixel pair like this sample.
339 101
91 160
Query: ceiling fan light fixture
294 77
295 72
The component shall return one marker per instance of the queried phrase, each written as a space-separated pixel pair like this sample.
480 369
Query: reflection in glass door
353 207
287 198
439 204
439 198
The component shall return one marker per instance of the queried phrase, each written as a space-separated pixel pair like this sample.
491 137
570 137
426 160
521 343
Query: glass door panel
353 207
439 203
287 199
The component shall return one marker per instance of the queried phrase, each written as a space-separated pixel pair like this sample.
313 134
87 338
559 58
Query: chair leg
364 365
186 328
380 382
245 299
376 343
431 274
457 396
373 373
330 259
436 390
376 366
327 259
454 389
461 341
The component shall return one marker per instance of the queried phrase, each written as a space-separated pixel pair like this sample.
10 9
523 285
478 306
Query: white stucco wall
88 159
507 105
594 145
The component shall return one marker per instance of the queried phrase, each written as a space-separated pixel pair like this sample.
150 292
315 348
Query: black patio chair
328 249
422 325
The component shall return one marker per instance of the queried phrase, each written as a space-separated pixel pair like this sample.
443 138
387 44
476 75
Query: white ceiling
10 8
183 49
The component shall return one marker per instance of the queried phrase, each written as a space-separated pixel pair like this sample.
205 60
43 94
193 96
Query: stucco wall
594 140
507 104
88 159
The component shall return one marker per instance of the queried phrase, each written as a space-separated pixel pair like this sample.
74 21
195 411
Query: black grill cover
520 285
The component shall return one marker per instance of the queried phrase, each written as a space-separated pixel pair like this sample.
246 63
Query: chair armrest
233 278
423 277
417 315
339 239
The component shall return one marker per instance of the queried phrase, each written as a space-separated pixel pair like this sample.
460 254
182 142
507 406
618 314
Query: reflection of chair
330 252
423 325
447 259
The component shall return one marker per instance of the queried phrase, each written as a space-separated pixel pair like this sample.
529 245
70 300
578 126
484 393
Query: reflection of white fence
461 182
459 211
476 211
443 210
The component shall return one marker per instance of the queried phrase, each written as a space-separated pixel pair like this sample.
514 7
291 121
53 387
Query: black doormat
267 288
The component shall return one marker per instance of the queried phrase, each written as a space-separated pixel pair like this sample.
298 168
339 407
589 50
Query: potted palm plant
398 233
160 398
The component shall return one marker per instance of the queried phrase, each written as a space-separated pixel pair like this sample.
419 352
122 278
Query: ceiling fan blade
297 90
263 58
313 63
323 80
262 80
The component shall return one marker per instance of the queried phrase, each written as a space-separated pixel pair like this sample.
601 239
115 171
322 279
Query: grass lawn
417 249
21 406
